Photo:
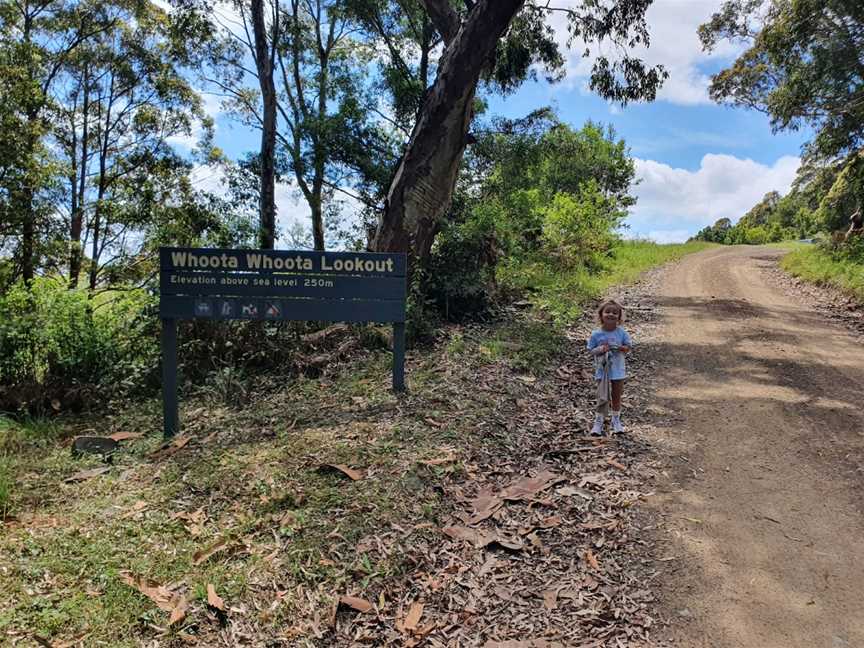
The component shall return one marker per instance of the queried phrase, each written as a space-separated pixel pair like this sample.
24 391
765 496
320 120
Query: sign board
273 285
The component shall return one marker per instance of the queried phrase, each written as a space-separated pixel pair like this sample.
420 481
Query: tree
264 53
522 166
38 39
802 66
123 96
761 212
423 183
310 103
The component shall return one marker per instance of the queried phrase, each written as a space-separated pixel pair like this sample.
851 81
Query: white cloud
674 201
675 44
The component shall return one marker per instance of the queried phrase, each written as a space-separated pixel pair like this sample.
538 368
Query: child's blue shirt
617 366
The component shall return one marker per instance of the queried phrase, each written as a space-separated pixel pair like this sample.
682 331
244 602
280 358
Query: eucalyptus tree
125 95
431 57
91 92
293 69
38 39
500 42
803 65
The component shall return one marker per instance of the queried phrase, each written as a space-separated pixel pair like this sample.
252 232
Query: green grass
813 264
564 294
5 487
528 345
789 245
257 480
632 258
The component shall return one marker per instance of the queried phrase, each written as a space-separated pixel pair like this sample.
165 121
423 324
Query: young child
608 344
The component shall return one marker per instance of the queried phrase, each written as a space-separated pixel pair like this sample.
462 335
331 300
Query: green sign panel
273 285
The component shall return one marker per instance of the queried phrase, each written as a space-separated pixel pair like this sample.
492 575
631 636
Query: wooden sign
272 285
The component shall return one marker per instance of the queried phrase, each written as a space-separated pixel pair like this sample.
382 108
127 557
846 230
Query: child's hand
624 348
603 348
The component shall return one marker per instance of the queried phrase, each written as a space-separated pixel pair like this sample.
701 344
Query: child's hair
614 304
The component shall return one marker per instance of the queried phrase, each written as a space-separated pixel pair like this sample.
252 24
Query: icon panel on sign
203 308
272 310
226 308
249 310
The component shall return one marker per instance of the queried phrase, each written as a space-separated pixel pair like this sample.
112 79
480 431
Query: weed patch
813 264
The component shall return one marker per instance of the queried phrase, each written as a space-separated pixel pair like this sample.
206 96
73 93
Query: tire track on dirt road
765 516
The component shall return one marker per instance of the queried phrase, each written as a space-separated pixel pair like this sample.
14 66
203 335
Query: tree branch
444 17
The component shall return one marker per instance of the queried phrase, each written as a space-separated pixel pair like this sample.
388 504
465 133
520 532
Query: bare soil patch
762 506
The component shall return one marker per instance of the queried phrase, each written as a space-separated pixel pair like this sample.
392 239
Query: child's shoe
617 428
597 429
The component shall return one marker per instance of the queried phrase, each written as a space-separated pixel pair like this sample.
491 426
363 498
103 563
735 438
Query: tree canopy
802 65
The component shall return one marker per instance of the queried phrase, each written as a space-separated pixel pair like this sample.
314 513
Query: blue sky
696 161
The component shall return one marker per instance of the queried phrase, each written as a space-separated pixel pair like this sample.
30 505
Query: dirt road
763 509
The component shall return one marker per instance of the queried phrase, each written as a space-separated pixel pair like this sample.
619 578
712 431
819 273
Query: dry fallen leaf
203 554
482 539
179 612
529 487
475 537
125 436
513 544
550 522
591 560
483 507
164 598
413 616
449 456
87 474
503 593
359 604
196 517
167 449
530 643
550 599
616 464
136 508
214 599
354 475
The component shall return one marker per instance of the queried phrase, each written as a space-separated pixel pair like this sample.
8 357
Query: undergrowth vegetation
67 347
837 265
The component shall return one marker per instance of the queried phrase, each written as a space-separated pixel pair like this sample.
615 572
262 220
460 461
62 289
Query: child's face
610 317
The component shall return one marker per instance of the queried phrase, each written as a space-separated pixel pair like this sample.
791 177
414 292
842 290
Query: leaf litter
165 599
531 542
538 548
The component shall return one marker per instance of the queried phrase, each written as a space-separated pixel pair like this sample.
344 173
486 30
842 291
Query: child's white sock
616 421
597 429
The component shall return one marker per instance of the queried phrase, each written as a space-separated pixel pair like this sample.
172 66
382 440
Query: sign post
274 285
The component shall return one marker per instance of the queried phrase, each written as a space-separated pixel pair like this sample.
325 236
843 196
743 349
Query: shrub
577 230
460 273
60 346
